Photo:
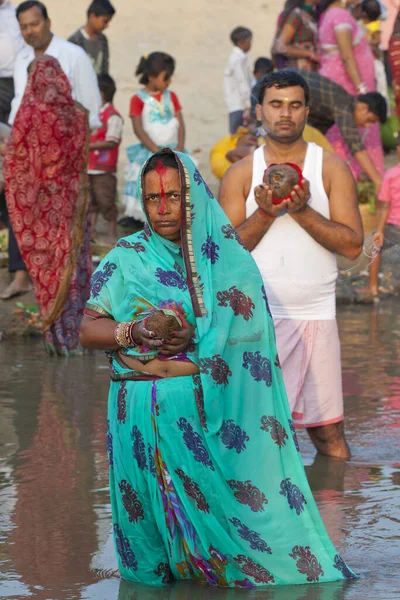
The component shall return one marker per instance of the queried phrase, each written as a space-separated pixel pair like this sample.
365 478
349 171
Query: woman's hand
144 337
177 342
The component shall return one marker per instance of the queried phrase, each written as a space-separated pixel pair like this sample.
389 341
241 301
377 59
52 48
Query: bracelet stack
123 334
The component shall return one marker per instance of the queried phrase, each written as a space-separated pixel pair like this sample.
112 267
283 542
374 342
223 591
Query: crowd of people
210 308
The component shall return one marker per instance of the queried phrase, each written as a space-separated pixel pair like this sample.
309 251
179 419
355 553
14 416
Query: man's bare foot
14 289
21 284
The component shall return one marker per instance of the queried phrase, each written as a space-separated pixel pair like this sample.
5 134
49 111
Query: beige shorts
309 353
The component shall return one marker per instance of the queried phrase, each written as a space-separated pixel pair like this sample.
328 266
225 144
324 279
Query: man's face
283 113
363 116
35 28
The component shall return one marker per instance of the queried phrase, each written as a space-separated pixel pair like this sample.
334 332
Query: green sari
206 478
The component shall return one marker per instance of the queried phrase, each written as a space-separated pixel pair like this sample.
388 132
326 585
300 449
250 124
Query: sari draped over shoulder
47 198
206 478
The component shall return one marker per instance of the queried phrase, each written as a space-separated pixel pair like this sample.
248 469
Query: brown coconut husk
162 325
281 179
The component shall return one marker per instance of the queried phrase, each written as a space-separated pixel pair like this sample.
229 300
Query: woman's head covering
44 172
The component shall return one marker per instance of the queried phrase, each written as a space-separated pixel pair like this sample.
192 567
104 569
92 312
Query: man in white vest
294 245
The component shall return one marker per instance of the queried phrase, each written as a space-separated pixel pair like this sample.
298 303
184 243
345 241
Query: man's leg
330 440
322 392
373 275
21 282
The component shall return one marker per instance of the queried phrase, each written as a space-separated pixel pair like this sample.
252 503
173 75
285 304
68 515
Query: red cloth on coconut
45 182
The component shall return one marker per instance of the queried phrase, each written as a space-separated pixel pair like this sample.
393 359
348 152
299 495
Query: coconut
162 325
281 179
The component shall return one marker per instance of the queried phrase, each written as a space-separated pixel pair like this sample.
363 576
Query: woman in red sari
46 190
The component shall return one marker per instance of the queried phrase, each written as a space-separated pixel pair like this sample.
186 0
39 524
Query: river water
55 518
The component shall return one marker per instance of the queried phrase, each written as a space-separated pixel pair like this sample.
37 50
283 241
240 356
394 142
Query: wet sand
197 36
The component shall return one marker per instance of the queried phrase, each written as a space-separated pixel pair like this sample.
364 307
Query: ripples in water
55 517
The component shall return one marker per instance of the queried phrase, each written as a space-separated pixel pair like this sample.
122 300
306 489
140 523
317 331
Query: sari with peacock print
207 482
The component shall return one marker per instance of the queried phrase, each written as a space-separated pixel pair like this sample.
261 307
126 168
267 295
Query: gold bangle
119 335
123 334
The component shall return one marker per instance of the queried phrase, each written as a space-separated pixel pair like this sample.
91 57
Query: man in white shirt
11 43
237 78
35 28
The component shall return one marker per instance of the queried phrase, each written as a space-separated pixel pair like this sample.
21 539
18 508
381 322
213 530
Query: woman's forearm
294 52
98 334
352 71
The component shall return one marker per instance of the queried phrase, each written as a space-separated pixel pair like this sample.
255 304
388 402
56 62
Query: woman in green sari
206 478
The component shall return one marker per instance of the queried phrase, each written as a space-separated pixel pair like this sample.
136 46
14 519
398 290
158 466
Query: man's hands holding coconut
283 187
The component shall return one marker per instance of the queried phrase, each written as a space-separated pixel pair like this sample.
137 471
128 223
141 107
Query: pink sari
332 67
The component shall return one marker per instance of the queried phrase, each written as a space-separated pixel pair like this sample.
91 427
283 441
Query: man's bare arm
365 162
232 196
343 232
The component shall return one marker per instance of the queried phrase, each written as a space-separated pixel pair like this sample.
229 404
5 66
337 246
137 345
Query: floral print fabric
207 482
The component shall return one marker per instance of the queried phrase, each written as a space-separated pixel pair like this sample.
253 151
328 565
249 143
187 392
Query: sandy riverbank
197 35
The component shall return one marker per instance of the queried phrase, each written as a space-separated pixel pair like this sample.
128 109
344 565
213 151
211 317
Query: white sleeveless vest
299 274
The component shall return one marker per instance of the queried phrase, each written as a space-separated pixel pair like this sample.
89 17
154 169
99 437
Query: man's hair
241 34
32 4
283 79
372 9
107 86
101 8
263 65
376 104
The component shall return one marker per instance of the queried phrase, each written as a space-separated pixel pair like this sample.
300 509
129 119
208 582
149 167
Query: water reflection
55 522
330 591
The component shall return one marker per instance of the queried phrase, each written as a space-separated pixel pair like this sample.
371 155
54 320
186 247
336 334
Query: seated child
262 66
103 158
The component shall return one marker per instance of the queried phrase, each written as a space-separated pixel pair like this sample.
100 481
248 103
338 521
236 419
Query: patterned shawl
45 182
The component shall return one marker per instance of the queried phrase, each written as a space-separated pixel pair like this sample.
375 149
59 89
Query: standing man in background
36 30
91 38
294 245
11 43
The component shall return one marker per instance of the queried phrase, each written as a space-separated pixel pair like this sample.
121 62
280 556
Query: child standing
237 78
388 233
91 38
157 122
370 13
103 159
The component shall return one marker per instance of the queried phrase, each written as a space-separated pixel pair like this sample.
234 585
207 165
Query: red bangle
266 214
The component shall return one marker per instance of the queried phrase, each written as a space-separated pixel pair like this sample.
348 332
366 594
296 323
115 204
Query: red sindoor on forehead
161 170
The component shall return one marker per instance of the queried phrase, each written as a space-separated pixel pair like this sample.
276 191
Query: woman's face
162 197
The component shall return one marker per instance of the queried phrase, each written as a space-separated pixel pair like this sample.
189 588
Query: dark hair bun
281 179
